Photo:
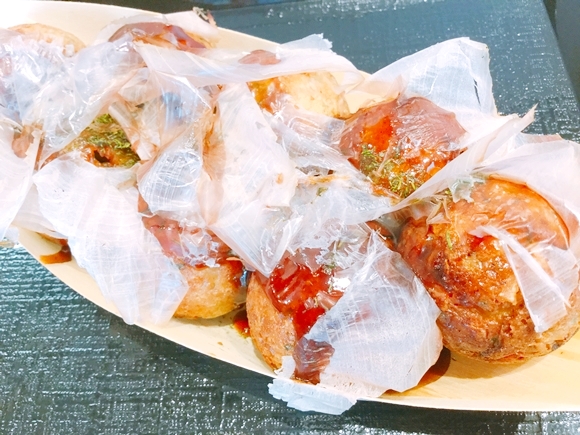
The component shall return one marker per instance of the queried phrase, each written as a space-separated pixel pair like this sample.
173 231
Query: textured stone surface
67 366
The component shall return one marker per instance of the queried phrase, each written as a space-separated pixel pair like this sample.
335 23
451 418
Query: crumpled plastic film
307 397
310 138
31 218
108 239
339 199
549 166
155 109
545 292
171 180
27 66
453 74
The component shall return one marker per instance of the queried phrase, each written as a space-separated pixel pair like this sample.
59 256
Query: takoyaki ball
315 92
483 314
272 331
216 282
282 309
400 144
49 34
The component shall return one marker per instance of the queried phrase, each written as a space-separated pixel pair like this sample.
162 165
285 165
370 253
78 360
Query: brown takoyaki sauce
304 295
297 291
241 324
62 256
399 145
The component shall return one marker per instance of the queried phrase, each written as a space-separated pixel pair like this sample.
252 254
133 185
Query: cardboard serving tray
550 383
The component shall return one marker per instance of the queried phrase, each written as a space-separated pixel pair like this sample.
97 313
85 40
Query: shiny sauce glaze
399 145
62 256
304 295
241 324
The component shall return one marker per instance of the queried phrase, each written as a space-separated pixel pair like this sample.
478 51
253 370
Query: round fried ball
483 314
400 144
216 278
272 331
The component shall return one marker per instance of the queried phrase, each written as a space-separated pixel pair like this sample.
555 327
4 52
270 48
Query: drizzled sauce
304 295
62 256
241 324
301 293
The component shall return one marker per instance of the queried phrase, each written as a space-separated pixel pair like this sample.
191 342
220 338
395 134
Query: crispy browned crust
272 332
483 312
213 291
43 32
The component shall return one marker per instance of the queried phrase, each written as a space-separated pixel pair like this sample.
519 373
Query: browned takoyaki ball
272 331
281 310
214 289
400 144
483 314
316 92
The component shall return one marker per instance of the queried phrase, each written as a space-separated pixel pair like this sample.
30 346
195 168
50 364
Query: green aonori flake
321 190
104 143
448 240
369 160
388 172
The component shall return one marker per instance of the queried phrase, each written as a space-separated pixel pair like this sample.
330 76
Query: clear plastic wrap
192 22
27 66
549 166
154 110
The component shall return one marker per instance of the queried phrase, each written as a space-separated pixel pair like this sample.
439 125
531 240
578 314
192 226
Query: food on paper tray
371 219
469 264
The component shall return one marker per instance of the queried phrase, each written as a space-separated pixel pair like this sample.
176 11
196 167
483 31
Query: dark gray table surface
68 367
